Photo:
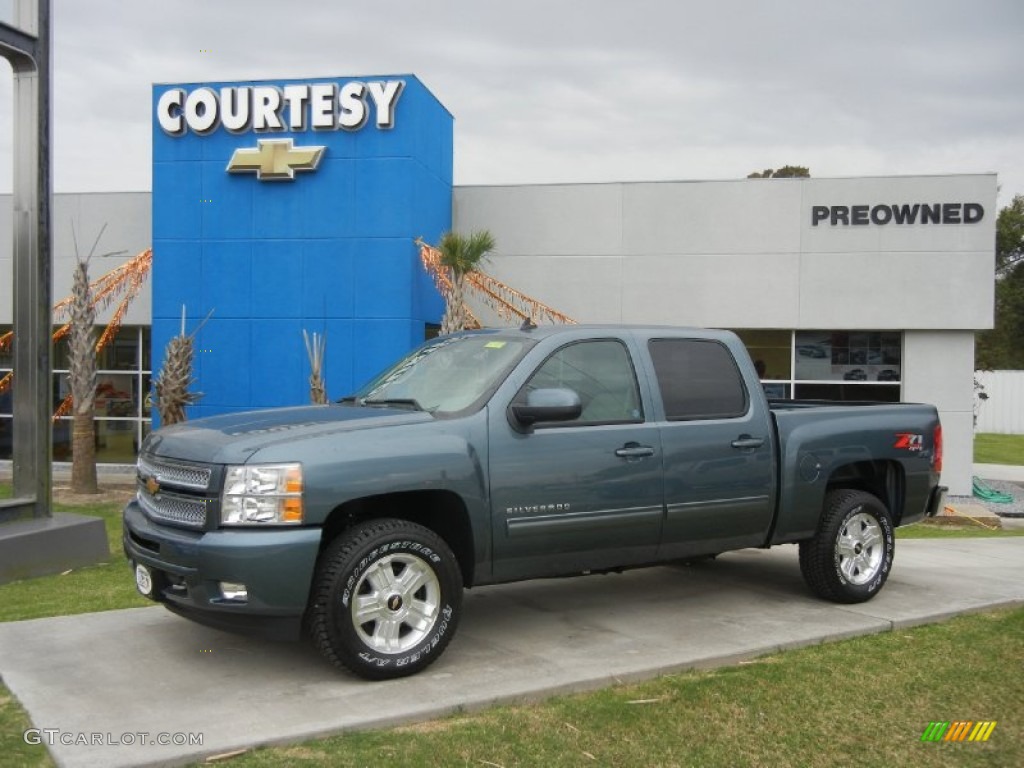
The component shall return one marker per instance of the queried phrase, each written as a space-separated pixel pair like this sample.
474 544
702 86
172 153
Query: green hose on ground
986 492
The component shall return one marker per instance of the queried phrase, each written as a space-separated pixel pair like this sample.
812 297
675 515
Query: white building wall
127 216
742 254
938 368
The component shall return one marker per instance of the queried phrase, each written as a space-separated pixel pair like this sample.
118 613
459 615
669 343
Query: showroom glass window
123 413
828 364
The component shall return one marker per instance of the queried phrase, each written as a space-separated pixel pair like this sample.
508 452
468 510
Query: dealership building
283 206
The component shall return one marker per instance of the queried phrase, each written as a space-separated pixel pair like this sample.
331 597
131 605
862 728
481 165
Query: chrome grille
171 508
180 475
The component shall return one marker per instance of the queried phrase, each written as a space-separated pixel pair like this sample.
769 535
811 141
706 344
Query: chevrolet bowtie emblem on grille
152 486
275 159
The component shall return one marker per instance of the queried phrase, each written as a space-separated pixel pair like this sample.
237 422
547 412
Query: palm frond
461 253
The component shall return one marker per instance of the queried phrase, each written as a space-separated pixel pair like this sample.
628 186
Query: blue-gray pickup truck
502 455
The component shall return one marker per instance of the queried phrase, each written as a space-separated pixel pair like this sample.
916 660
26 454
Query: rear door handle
746 441
634 451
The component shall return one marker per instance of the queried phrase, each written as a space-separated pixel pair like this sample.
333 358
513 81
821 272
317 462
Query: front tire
386 599
849 559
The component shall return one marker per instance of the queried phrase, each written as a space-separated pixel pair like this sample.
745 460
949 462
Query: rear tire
849 559
386 599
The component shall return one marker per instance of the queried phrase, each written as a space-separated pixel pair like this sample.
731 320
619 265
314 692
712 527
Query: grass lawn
859 702
862 701
926 530
999 449
103 587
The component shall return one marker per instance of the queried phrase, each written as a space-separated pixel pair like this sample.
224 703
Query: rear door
718 452
583 494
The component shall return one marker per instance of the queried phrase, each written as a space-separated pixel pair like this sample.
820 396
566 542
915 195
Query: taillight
937 449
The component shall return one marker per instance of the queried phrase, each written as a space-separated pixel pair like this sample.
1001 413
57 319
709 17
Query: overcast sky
577 90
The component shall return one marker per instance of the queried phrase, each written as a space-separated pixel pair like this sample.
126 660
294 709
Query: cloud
580 90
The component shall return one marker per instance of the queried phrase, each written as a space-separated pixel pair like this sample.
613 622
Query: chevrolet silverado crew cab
502 455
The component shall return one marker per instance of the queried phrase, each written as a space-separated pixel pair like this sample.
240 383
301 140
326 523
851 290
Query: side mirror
547 405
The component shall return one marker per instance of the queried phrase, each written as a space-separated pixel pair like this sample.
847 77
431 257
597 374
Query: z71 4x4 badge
908 441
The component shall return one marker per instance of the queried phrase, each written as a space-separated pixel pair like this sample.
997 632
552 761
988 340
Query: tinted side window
600 372
698 379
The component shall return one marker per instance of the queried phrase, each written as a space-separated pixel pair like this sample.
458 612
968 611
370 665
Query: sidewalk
119 674
1007 472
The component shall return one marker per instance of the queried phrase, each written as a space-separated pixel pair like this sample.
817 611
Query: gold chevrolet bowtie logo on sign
275 159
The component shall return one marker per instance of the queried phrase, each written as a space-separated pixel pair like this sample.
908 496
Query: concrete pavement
1007 472
111 676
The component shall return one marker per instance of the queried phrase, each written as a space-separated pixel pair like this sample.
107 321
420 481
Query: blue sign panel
288 205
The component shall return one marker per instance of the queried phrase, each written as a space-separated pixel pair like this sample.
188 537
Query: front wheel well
443 512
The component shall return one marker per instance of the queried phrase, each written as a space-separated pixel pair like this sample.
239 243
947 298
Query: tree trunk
82 380
455 312
316 349
317 393
83 447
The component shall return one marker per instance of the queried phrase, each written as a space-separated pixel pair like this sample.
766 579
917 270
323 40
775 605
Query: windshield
447 375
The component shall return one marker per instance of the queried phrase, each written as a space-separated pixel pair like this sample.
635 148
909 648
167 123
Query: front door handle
746 441
634 451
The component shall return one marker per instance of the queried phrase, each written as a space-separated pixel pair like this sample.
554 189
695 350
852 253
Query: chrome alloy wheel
396 603
860 548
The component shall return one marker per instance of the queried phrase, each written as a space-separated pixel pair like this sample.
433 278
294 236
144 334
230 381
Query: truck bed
889 448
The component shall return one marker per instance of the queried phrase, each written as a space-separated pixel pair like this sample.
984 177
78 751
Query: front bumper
276 565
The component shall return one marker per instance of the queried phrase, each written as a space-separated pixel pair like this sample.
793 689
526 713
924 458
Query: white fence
1003 411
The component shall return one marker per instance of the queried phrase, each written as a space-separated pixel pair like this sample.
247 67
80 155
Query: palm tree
171 386
461 255
316 349
82 376
82 371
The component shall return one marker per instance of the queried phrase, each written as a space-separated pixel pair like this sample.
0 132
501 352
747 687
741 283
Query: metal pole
27 47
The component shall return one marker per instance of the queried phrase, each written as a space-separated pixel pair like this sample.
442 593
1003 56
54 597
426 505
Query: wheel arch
883 479
441 511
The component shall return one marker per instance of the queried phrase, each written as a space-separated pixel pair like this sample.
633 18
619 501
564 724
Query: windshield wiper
401 401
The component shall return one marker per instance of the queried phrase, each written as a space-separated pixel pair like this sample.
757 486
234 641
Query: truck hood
233 438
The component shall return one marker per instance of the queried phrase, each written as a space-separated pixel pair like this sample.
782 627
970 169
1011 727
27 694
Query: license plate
144 580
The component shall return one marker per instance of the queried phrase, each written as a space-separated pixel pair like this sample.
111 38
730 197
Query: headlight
269 494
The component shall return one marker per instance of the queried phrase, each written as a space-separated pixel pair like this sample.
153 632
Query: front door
579 495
